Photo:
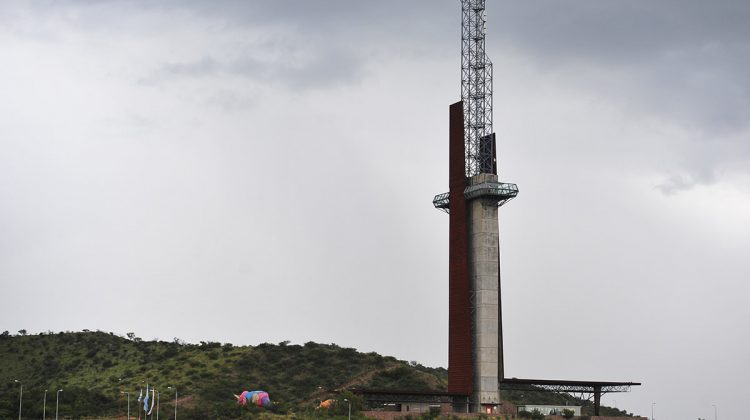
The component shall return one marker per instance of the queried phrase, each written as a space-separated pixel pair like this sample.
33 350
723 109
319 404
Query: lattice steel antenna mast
476 87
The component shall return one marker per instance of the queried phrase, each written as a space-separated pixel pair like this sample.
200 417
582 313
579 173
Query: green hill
95 368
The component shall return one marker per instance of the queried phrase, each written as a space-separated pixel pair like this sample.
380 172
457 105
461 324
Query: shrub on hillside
537 415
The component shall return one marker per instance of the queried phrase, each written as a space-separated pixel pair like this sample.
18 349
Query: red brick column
460 363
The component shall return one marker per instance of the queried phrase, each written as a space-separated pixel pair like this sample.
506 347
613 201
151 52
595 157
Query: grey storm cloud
621 31
679 50
206 66
679 61
691 55
320 69
325 69
677 183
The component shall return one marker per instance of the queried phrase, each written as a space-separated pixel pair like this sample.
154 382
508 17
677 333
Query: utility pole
20 400
57 402
128 394
175 401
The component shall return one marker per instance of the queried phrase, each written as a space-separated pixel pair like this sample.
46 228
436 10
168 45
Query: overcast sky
260 171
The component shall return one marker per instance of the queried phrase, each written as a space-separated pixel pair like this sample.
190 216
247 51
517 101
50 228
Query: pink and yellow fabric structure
327 404
257 398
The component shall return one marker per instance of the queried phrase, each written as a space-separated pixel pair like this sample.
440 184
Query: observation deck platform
500 191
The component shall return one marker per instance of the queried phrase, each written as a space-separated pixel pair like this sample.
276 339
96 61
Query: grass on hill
95 369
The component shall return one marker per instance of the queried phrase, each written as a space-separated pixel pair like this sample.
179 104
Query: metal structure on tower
480 154
476 88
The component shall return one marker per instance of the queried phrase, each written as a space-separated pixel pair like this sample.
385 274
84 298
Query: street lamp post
128 394
20 399
652 410
57 402
157 405
716 417
175 402
140 402
350 408
44 409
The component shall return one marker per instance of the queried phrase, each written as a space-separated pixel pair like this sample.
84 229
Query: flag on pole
140 398
145 400
153 390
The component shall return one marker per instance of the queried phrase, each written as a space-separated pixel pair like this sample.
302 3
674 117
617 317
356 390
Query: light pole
44 409
20 399
128 394
57 402
652 410
140 401
157 405
175 402
350 408
715 412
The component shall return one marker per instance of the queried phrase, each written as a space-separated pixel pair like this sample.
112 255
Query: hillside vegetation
94 369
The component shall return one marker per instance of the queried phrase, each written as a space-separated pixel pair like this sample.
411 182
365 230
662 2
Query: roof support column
597 399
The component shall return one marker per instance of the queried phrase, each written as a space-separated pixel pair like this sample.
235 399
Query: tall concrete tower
475 348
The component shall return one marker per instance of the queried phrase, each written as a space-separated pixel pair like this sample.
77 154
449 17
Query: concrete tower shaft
485 295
